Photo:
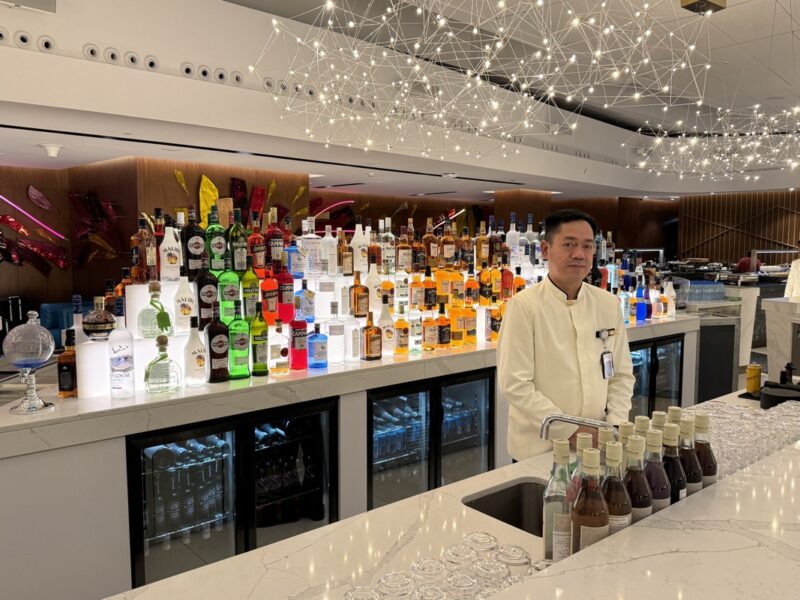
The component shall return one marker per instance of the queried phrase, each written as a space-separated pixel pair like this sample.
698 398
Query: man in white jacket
563 347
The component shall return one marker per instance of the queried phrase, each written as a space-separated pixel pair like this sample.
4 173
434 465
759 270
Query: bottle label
241 360
219 363
434 250
401 337
347 263
219 344
327 287
415 328
66 378
562 536
286 293
592 535
250 301
320 351
239 341
386 292
276 248
443 335
682 494
486 290
229 292
417 296
457 335
691 488
271 298
195 245
457 289
448 251
640 513
430 335
659 503
471 326
300 338
374 345
362 305
277 351
387 331
217 263
617 522
151 256
430 296
709 480
471 294
198 357
484 251
135 256
404 259
217 245
206 313
355 342
335 329
184 306
259 252
239 258
308 302
208 293
444 288
401 288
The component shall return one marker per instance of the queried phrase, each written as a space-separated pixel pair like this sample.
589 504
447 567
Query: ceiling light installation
449 79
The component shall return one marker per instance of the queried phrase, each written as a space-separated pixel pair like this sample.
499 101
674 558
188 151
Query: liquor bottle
470 317
257 247
278 351
120 355
239 340
269 296
471 289
702 445
625 305
447 248
605 435
388 248
193 240
216 243
456 288
658 420
386 288
325 292
238 243
312 246
274 241
67 368
374 253
119 289
494 319
162 374
642 304
582 442
99 323
259 343
495 244
294 260
416 292
466 251
418 255
689 461
640 425
669 292
317 349
298 333
386 325
371 338
442 280
109 297
285 289
443 330
352 338
194 355
431 244
250 291
457 331
288 232
506 282
344 254
414 330
143 254
674 415
336 343
654 471
170 255
404 257
359 297
519 283
429 290
556 519
307 300
227 290
401 333
530 234
158 226
430 331
614 490
402 288
512 240
359 243
496 276
185 301
216 338
328 249
672 463
635 480
205 283
485 285
590 512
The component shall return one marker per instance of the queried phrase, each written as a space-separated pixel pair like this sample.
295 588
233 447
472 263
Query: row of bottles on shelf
618 484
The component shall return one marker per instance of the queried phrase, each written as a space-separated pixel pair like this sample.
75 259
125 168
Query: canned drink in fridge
753 379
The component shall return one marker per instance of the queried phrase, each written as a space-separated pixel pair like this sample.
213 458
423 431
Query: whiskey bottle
672 463
371 340
162 374
216 338
443 329
689 462
614 490
589 512
447 248
67 368
702 445
636 482
401 333
430 332
654 471
404 252
431 244
359 297
556 512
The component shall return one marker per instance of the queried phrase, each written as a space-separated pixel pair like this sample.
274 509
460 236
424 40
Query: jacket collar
561 295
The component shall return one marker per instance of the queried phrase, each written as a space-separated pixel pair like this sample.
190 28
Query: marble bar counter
83 420
739 538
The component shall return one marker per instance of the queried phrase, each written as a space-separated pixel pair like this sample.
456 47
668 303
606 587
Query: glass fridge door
400 426
188 509
640 402
466 428
292 475
668 375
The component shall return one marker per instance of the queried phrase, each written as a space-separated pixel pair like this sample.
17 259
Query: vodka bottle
328 255
512 239
335 328
120 355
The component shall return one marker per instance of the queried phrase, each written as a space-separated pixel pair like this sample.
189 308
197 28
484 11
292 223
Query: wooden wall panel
26 281
523 202
726 227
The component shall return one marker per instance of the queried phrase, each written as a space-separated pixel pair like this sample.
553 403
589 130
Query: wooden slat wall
26 281
523 202
726 227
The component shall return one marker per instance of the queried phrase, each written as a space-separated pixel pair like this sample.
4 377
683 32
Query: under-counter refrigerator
658 370
430 433
200 494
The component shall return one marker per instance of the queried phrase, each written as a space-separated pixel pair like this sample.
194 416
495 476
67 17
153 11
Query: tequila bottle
162 374
154 319
239 340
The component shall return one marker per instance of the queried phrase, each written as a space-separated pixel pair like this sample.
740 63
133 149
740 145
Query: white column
352 454
780 313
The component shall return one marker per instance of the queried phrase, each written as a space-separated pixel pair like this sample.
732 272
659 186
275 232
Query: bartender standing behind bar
563 347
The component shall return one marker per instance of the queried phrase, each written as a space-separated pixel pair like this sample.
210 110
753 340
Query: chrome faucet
544 432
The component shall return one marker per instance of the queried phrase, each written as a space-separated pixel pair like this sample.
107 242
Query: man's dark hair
554 221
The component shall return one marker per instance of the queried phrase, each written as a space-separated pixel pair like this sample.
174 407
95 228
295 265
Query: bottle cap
636 445
316 327
70 341
162 341
613 453
561 451
605 435
584 440
591 460
654 440
701 422
659 419
194 322
625 430
670 437
674 414
259 307
154 287
687 426
641 424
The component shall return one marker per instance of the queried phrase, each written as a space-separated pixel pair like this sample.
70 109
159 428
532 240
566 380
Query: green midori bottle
250 291
259 348
216 243
227 291
237 243
239 349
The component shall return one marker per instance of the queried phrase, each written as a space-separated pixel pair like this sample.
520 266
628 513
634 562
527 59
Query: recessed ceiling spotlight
450 175
51 150
314 175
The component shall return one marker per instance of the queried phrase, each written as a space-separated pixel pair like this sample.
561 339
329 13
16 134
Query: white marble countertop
737 539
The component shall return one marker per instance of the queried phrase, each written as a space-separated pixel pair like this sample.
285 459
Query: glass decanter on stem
28 347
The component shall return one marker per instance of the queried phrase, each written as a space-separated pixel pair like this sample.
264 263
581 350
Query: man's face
570 254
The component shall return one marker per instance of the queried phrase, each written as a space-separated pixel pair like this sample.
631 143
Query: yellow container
753 379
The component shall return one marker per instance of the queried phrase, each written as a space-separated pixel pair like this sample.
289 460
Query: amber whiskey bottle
442 329
589 513
371 347
67 368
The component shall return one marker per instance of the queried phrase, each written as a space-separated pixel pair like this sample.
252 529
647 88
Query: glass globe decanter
28 347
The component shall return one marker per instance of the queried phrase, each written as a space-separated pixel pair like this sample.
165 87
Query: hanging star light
448 77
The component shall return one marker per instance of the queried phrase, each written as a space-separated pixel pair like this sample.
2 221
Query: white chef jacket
793 281
549 361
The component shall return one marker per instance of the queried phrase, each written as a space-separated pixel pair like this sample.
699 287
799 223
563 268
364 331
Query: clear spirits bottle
344 254
154 319
359 243
589 512
312 246
162 374
352 338
556 518
614 490
239 340
325 293
336 344
120 356
194 356
414 330
278 351
328 259
388 248
386 325
512 239
259 343
317 349
185 303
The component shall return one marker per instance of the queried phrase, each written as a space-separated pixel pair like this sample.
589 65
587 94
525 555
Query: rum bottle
614 490
636 482
194 356
702 445
556 517
672 463
217 345
654 471
386 325
184 303
689 461
589 512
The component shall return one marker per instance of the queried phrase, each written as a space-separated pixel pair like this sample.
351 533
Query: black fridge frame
243 465
654 367
434 387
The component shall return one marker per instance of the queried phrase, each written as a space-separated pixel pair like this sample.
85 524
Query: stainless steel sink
519 504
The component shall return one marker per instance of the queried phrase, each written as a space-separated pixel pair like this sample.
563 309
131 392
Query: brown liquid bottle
614 491
689 461
589 513
702 445
655 473
636 482
672 463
